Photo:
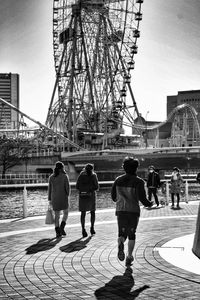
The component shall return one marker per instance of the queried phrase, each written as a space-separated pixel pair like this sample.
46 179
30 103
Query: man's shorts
127 224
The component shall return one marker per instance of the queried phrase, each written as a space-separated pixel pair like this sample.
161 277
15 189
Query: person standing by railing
58 196
153 183
176 185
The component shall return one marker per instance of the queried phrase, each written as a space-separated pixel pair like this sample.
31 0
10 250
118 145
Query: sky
168 58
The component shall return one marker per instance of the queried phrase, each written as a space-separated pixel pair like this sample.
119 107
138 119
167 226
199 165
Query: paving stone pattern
36 265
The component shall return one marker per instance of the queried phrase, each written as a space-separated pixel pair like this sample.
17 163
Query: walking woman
58 196
176 184
87 184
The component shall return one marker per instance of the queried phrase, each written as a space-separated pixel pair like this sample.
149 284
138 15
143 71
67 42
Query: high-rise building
9 91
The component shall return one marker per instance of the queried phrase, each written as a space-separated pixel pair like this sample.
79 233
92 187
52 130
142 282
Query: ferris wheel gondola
94 44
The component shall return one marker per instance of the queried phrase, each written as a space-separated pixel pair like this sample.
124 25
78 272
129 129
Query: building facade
184 97
9 91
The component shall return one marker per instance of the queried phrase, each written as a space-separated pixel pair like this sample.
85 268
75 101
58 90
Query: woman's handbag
85 195
49 216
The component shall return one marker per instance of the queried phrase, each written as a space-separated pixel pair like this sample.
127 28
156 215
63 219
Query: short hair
130 165
151 167
89 168
176 169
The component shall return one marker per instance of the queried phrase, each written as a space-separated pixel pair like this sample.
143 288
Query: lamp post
146 141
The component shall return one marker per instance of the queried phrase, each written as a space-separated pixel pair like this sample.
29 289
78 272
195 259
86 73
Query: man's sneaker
129 261
121 254
92 231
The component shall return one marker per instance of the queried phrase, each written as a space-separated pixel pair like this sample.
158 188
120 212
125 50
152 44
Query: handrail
45 184
101 183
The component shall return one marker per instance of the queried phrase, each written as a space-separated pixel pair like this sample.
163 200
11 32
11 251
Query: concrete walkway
36 265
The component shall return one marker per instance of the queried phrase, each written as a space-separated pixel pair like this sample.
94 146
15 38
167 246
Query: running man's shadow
120 286
76 245
42 245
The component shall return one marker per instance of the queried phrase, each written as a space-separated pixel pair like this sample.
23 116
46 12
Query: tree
12 151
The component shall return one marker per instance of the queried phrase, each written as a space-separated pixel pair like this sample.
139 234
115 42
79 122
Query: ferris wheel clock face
94 43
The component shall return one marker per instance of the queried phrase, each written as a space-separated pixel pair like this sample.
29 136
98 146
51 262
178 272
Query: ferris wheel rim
55 31
122 44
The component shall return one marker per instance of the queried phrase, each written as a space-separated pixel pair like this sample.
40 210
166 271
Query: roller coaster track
179 109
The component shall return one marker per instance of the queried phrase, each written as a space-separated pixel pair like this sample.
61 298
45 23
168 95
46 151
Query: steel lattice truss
185 125
94 47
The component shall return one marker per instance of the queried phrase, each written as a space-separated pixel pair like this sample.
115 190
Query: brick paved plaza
35 265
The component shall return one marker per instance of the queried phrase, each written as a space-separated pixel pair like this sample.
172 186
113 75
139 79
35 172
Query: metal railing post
186 191
25 211
167 192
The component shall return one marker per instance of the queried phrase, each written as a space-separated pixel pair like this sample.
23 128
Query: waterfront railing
42 178
189 187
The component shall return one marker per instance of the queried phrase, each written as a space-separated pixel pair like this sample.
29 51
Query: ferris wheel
94 44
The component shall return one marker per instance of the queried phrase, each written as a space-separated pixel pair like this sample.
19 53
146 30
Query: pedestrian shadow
76 245
42 245
120 286
155 207
176 208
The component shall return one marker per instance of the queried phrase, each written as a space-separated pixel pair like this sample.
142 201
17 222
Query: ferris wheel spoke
88 74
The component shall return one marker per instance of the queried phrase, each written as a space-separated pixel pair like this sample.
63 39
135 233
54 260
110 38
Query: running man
127 190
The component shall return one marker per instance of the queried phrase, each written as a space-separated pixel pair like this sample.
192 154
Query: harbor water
11 201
